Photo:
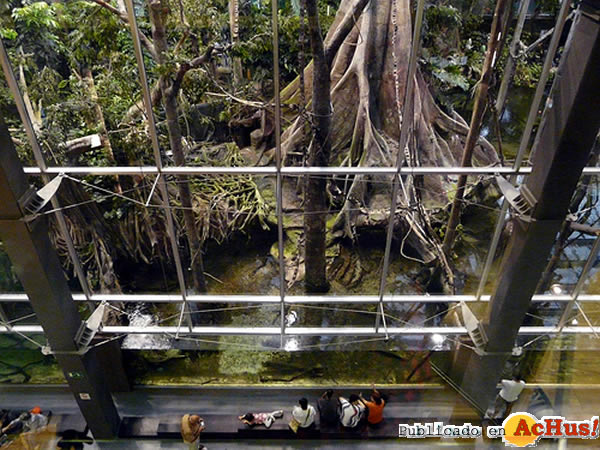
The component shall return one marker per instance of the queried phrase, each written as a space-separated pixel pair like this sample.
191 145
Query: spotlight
574 322
291 345
438 339
291 318
556 289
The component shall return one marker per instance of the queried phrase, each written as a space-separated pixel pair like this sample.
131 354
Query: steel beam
405 126
567 133
512 54
526 137
580 283
287 171
111 331
162 184
278 165
297 299
42 166
39 270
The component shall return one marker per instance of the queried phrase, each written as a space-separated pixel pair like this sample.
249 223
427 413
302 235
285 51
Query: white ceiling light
556 289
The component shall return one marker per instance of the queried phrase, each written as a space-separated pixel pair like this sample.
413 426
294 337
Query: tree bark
315 195
169 97
234 16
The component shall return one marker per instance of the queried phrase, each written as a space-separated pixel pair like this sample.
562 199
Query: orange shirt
375 411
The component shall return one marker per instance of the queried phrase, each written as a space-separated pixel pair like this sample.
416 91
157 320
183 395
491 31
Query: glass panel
22 361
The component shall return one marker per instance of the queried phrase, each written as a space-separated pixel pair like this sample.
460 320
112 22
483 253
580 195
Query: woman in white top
304 413
511 389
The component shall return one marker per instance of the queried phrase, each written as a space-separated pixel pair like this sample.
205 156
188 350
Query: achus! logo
522 429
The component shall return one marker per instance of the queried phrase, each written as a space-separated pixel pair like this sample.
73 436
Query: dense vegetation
212 90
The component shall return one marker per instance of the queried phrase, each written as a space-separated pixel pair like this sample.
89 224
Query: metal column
567 133
41 274
185 312
279 163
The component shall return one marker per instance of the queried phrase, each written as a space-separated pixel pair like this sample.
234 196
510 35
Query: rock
205 123
257 139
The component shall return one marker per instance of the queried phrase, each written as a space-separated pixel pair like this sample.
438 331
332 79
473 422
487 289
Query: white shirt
350 414
511 389
36 421
305 417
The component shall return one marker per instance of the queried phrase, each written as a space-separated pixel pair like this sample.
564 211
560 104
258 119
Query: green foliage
449 71
256 46
94 34
527 73
441 17
8 33
547 6
38 15
230 202
440 22
529 66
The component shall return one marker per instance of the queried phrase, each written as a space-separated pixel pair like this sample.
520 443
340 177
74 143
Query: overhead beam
110 331
287 171
297 299
39 270
567 133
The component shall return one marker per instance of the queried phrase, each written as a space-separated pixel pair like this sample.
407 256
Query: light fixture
521 200
91 327
474 327
438 340
574 322
291 345
556 289
291 318
33 201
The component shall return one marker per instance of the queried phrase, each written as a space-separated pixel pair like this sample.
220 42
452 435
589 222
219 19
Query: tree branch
138 107
123 18
186 67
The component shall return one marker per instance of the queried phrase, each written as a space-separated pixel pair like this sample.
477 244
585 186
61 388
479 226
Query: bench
227 427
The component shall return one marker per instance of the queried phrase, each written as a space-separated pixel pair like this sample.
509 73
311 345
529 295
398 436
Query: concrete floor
421 402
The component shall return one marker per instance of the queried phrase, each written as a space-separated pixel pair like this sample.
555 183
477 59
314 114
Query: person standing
304 413
191 427
508 395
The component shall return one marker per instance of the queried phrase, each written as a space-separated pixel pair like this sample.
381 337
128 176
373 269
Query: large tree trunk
234 18
369 46
169 96
315 196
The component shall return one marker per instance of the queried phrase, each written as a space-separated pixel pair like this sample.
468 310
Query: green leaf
8 33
